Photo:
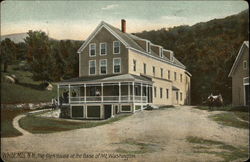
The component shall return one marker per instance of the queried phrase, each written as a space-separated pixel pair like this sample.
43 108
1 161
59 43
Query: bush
65 112
149 107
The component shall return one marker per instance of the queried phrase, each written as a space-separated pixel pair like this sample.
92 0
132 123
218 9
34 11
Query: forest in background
208 50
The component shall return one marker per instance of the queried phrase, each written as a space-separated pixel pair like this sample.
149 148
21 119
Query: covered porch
126 88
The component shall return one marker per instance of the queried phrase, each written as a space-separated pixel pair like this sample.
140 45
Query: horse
214 101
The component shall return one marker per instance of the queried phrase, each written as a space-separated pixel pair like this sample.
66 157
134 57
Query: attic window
148 47
161 52
244 64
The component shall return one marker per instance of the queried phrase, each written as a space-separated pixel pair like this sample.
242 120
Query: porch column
141 96
85 93
69 93
112 111
102 91
133 86
147 93
128 92
58 95
119 91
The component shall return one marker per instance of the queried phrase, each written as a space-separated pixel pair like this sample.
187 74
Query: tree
39 55
58 62
8 53
208 50
21 51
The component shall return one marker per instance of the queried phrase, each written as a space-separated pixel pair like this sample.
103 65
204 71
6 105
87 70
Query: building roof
129 41
175 88
244 45
107 78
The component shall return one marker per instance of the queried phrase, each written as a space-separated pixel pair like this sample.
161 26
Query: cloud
108 7
172 17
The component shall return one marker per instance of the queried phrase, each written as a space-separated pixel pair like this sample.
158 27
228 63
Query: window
155 91
180 96
174 75
160 92
137 90
245 65
134 65
148 47
181 77
103 66
167 91
161 52
145 68
177 97
116 47
92 49
103 48
153 70
161 73
92 65
117 65
77 111
169 74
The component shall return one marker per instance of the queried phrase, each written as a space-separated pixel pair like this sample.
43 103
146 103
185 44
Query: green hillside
26 91
208 50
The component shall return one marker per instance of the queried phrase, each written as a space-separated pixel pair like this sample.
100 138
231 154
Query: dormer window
92 49
116 47
148 47
172 57
161 52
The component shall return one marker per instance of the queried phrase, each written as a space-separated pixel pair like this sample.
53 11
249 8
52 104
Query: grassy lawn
224 108
225 151
7 115
229 119
36 124
25 91
232 116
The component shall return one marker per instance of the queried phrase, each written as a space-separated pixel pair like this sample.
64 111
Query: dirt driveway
158 135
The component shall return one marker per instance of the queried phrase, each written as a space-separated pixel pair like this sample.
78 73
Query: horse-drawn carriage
214 101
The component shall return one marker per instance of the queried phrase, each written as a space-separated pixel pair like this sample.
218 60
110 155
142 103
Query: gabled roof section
129 40
97 29
244 46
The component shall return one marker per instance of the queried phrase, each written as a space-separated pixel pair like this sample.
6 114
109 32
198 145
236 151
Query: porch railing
117 99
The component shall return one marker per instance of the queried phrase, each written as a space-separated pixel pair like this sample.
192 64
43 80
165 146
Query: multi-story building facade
240 77
120 72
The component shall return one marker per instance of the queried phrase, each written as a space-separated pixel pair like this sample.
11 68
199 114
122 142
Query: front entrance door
107 111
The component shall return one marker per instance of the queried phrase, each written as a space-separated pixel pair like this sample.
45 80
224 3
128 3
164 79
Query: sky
77 19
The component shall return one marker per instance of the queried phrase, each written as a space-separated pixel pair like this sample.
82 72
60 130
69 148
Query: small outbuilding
240 77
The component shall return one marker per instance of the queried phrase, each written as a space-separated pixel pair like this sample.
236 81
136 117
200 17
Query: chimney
123 26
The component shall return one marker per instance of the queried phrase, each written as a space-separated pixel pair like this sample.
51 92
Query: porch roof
175 88
107 78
